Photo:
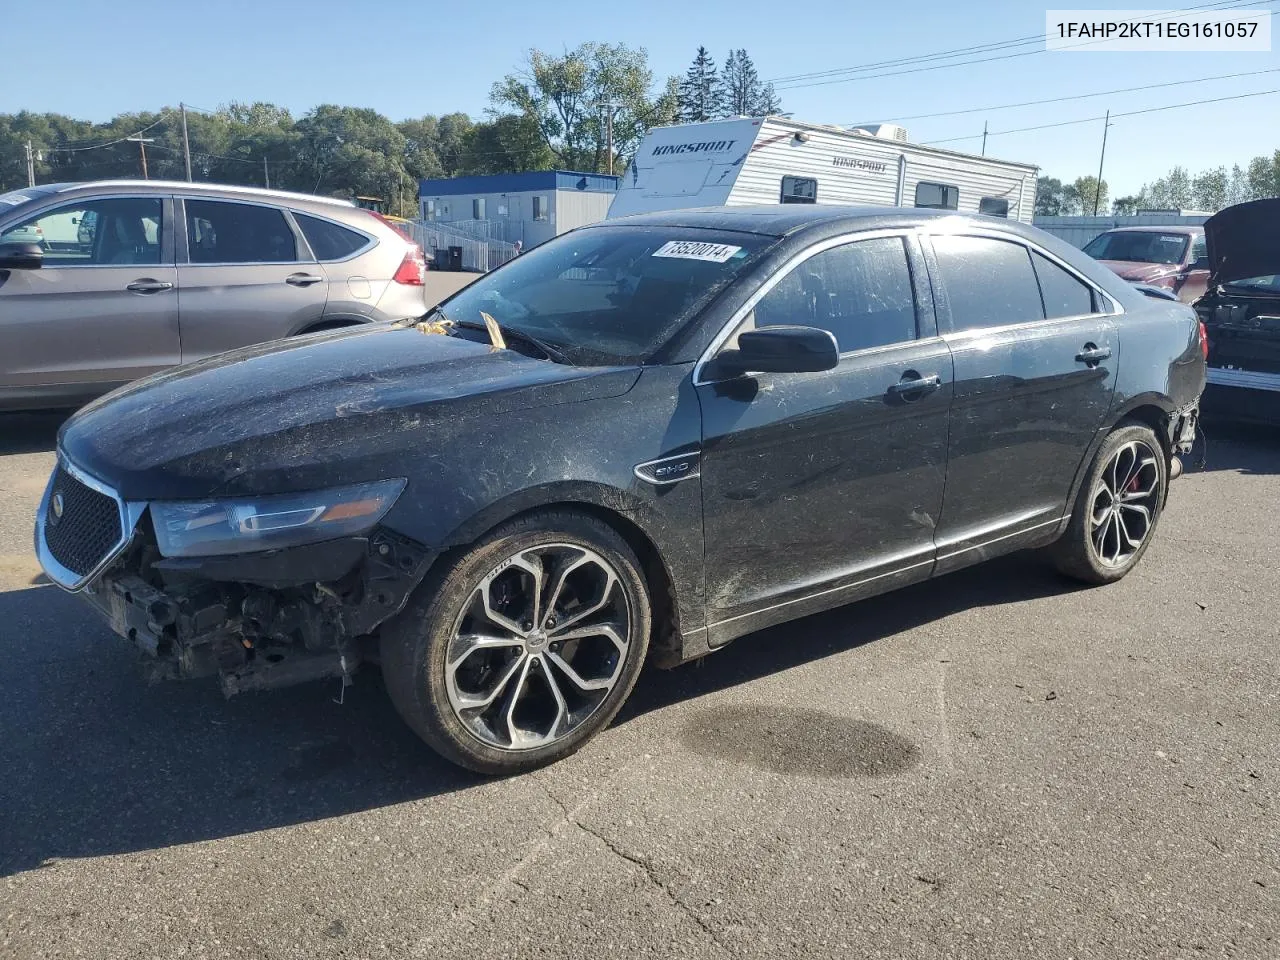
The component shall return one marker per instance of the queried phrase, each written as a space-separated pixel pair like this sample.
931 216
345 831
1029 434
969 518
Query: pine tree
701 94
744 95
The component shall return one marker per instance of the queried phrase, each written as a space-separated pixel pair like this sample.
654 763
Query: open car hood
1244 241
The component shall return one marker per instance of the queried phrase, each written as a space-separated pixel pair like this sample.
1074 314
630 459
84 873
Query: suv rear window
328 240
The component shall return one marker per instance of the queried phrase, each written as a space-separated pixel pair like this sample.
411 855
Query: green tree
507 144
1209 189
1091 195
702 96
744 94
1051 198
566 98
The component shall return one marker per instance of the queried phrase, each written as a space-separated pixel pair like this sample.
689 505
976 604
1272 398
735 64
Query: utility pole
984 138
1097 193
186 141
609 108
266 176
31 166
142 148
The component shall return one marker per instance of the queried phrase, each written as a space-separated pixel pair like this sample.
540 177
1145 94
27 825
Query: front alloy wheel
539 645
517 650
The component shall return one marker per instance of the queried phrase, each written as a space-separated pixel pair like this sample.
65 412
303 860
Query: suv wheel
523 647
1117 509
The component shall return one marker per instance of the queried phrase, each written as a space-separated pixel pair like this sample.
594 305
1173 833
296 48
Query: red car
1174 258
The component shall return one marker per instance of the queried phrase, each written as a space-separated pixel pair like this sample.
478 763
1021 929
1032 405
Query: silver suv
102 283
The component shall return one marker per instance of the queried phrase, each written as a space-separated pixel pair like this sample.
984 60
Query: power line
111 143
1113 116
1079 96
817 79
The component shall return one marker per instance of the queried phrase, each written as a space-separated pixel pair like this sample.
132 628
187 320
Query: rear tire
1117 509
522 647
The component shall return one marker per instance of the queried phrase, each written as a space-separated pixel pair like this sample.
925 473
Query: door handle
1092 354
302 279
912 383
147 285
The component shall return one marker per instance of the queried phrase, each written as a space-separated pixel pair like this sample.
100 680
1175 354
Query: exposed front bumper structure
257 621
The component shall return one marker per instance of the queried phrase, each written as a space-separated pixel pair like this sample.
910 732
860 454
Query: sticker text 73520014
696 250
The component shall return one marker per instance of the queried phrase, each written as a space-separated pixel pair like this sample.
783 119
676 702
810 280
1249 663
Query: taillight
1204 340
412 271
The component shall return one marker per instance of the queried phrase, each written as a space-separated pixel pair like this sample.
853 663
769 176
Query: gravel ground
991 765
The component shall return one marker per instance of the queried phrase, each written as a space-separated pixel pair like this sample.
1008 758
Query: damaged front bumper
259 621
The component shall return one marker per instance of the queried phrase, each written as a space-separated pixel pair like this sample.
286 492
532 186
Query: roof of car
182 186
1149 228
779 220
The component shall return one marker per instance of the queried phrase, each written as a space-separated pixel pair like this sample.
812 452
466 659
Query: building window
799 190
429 209
992 207
477 208
937 196
539 208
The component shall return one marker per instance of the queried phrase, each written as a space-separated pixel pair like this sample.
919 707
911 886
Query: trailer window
993 206
937 196
477 208
799 190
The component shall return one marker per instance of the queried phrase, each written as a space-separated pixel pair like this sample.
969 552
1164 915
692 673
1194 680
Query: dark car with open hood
633 444
1241 312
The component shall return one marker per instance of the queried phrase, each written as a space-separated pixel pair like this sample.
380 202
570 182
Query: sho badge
683 466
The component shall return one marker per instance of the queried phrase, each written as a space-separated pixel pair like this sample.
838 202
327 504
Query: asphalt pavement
995 764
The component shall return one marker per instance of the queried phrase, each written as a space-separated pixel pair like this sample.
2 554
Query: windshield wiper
514 333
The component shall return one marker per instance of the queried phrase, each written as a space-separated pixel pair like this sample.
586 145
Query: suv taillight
412 271
1204 340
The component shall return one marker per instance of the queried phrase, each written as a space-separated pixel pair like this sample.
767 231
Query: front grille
85 530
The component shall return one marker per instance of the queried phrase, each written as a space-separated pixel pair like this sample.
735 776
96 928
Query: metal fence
456 249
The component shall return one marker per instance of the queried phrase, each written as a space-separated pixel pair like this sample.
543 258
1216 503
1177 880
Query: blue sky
410 58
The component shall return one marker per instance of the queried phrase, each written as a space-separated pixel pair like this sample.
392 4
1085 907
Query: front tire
1117 509
521 648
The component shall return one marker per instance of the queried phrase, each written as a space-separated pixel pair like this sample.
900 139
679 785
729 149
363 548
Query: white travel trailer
775 160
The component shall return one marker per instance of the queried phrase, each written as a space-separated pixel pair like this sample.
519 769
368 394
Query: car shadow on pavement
97 762
1011 579
30 432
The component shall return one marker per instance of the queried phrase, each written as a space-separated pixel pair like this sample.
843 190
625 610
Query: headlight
219 527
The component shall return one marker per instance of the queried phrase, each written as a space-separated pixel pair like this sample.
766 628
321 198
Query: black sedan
638 441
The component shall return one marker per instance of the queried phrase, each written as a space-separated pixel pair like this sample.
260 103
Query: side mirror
1201 263
782 350
21 256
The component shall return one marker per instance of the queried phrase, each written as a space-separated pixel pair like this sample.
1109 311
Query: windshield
1269 284
1139 246
610 294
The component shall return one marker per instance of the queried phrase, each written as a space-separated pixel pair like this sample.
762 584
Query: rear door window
222 232
1064 295
988 282
328 240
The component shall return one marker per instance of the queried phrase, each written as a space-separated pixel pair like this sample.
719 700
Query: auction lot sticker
693 250
1177 31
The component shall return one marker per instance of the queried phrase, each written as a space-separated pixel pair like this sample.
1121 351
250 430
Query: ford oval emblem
57 506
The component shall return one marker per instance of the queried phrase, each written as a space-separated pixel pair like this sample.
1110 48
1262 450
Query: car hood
1244 241
1136 271
309 412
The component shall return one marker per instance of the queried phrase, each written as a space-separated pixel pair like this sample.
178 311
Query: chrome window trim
129 514
299 241
822 246
61 201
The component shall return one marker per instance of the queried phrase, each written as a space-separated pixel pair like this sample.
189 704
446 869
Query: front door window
113 231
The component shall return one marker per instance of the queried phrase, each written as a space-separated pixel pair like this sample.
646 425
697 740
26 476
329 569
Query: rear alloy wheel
1118 508
524 647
